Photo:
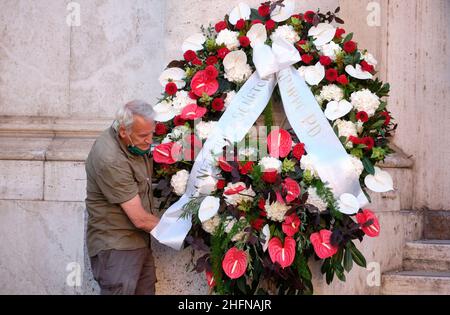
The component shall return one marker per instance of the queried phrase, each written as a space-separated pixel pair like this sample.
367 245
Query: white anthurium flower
235 59
348 204
336 110
323 33
358 73
194 42
314 74
208 208
165 111
241 11
266 234
281 14
257 35
175 75
380 182
370 59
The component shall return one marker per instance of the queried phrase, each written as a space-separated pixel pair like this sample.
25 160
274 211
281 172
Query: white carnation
181 100
204 128
229 98
346 128
239 236
330 50
315 200
229 39
332 92
268 163
307 165
366 101
211 225
179 181
358 167
276 211
287 32
179 132
245 195
238 74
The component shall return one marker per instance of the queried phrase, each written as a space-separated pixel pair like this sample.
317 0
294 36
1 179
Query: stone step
416 283
427 255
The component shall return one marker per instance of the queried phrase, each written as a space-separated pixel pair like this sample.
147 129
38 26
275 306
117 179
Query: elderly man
118 202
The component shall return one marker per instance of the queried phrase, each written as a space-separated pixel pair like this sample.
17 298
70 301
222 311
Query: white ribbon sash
304 114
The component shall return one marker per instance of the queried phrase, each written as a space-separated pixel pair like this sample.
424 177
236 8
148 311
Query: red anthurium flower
211 72
234 263
234 191
367 67
210 279
220 26
284 255
298 151
270 176
369 223
270 25
362 116
322 244
368 142
291 225
192 112
325 61
387 117
246 168
224 165
292 189
350 47
279 142
331 75
240 24
222 52
171 88
189 55
201 83
167 153
342 79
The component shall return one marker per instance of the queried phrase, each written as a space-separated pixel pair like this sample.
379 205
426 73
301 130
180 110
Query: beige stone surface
65 181
21 180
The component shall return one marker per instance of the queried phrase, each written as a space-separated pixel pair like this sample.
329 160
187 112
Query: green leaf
357 256
348 38
329 276
241 285
377 124
368 166
348 261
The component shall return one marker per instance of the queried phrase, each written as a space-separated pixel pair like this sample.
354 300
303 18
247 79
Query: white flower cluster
366 101
268 163
228 38
177 134
238 75
181 100
358 167
276 211
315 200
211 225
242 196
307 165
204 128
179 181
332 92
239 236
331 50
286 32
346 128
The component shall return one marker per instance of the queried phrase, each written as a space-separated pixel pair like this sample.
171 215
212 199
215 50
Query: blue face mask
135 150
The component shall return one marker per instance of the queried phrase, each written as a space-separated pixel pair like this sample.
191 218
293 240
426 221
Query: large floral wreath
259 219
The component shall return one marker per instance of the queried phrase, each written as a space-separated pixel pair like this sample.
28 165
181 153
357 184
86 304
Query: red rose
220 26
298 151
258 224
309 16
211 72
387 118
196 62
171 88
366 67
240 24
368 142
325 61
178 121
342 79
222 52
264 10
257 22
189 55
246 168
160 129
262 204
331 75
369 223
339 33
270 176
307 59
244 41
218 104
211 60
270 25
355 140
220 184
350 47
362 116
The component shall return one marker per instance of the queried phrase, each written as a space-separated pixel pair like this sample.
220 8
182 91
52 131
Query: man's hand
136 213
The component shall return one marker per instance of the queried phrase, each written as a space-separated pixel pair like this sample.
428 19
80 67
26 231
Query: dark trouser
125 272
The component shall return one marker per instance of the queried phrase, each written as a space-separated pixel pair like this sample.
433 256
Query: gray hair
124 115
